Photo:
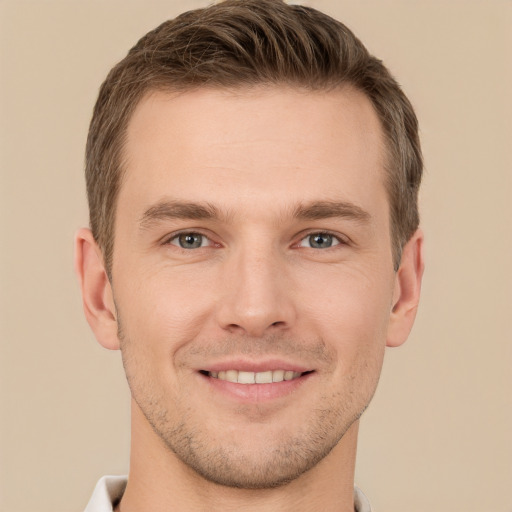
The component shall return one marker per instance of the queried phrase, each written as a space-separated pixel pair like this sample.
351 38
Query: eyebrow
329 209
169 210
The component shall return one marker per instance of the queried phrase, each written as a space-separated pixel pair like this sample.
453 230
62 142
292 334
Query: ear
406 294
97 297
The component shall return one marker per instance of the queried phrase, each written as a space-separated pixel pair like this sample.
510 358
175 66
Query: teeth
278 376
245 377
255 377
263 377
231 375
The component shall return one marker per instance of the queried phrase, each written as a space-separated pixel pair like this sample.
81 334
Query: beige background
437 437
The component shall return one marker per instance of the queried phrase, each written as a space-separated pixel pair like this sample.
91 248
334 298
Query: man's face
252 245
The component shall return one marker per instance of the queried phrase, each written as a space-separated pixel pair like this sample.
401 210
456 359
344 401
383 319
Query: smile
267 377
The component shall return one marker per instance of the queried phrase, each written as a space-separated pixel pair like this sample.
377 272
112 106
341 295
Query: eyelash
176 236
336 240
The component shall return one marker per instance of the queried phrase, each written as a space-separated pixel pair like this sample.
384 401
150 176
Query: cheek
163 309
157 318
355 326
352 314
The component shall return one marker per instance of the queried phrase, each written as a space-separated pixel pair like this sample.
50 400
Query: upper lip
246 365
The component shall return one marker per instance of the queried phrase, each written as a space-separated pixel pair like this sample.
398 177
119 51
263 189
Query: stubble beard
281 461
285 457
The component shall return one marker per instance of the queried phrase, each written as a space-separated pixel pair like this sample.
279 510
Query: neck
159 481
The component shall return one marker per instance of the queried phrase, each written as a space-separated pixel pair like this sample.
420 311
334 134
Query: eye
190 240
319 241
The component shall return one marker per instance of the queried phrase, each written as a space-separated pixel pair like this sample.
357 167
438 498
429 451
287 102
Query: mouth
255 381
262 377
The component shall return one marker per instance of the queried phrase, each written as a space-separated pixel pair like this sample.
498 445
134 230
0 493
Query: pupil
321 241
190 240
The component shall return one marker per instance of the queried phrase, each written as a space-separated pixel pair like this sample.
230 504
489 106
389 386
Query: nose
257 296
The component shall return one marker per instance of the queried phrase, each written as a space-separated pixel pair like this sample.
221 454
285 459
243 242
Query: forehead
237 147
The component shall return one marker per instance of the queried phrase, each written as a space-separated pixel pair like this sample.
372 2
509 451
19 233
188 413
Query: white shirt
110 489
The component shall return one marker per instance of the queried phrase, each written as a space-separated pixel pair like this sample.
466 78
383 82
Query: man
252 176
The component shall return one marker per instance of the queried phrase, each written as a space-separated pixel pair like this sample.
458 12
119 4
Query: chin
265 461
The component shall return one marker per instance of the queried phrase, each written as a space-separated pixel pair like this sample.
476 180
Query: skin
256 175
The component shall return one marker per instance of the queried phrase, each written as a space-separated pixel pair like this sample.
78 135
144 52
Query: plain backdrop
437 436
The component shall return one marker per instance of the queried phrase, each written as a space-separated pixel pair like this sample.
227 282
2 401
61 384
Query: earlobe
407 291
97 297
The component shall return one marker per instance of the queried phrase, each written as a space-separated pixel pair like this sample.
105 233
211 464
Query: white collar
107 493
110 489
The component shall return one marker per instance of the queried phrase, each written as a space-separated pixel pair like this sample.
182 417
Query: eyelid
168 239
340 238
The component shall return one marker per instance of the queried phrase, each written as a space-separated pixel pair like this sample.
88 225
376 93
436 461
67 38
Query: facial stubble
220 458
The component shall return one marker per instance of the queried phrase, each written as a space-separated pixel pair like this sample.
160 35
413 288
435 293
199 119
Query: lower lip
256 392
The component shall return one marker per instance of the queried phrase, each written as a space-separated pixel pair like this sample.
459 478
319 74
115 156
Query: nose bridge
256 295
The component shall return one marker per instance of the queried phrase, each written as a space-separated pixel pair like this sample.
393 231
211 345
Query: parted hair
242 44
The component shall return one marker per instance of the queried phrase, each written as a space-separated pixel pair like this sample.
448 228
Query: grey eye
189 240
319 241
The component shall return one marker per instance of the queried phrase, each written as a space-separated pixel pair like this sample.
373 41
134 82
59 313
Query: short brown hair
243 43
